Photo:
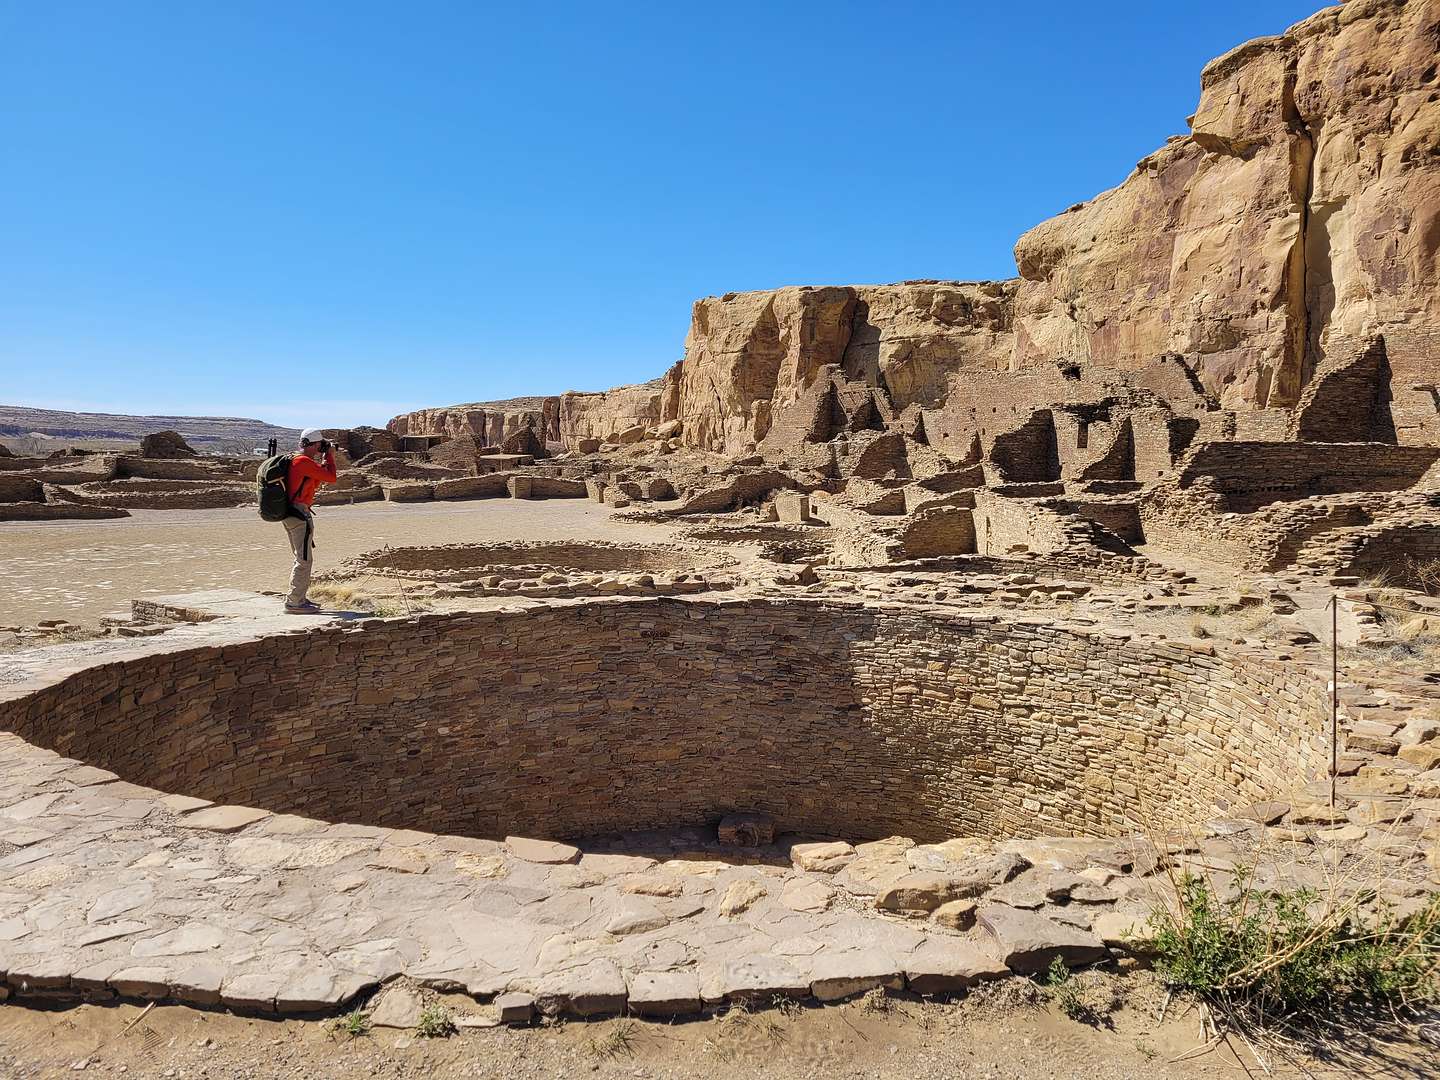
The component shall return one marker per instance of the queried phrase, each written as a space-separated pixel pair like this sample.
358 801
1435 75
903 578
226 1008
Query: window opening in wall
1082 435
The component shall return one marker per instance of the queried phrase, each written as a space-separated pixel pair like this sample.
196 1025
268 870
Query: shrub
1263 956
617 1042
1425 573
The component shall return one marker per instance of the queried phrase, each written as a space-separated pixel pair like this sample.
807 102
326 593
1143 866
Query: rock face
565 418
494 421
1300 215
1290 239
601 415
749 355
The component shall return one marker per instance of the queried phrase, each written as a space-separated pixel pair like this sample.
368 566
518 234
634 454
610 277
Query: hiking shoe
307 608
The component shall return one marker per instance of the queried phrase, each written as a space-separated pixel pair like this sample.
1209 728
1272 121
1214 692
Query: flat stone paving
108 889
111 888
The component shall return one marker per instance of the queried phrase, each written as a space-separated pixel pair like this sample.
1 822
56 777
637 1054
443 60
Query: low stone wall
57 511
601 716
535 555
127 467
327 496
489 486
162 494
20 489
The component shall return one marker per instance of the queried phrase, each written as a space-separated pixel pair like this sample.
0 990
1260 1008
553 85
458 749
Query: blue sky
331 212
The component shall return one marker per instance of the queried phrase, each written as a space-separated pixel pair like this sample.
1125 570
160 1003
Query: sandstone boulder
1029 942
524 441
826 858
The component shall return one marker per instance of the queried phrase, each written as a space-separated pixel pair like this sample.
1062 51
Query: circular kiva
278 824
464 561
850 720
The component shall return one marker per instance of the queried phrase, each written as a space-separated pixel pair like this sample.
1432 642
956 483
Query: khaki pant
296 528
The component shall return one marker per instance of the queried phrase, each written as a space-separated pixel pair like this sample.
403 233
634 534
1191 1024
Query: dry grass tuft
356 597
617 1042
1425 573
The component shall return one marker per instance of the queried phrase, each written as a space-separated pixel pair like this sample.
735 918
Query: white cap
311 434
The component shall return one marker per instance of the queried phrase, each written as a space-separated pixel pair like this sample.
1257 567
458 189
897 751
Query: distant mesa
27 431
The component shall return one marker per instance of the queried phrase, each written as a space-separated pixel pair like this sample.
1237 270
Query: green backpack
270 488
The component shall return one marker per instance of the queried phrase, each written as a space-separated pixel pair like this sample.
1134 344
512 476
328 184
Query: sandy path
80 570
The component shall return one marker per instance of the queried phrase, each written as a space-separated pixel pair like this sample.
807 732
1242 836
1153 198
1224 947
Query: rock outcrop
749 355
1297 222
493 421
601 415
564 418
1300 216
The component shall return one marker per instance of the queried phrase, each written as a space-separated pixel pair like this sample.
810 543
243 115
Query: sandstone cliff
563 418
492 421
1293 227
749 355
600 415
1301 214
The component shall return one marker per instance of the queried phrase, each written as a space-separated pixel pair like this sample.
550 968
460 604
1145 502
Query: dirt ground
1004 1035
81 570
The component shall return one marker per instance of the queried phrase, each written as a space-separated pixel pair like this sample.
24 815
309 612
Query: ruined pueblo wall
603 716
1250 475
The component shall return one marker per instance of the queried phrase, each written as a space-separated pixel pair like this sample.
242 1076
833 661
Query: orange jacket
305 477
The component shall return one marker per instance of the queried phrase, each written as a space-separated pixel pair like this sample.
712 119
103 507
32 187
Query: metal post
1334 692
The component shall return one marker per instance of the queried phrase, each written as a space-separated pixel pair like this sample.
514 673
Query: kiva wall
849 720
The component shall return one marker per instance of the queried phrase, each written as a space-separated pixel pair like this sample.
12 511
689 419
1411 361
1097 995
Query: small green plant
1265 957
1065 991
435 1022
617 1042
1145 1050
352 1025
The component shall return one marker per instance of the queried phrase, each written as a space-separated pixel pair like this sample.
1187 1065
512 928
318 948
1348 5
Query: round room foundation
607 716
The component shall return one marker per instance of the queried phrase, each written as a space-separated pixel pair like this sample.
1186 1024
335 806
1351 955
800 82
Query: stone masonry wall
1251 474
852 720
581 556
